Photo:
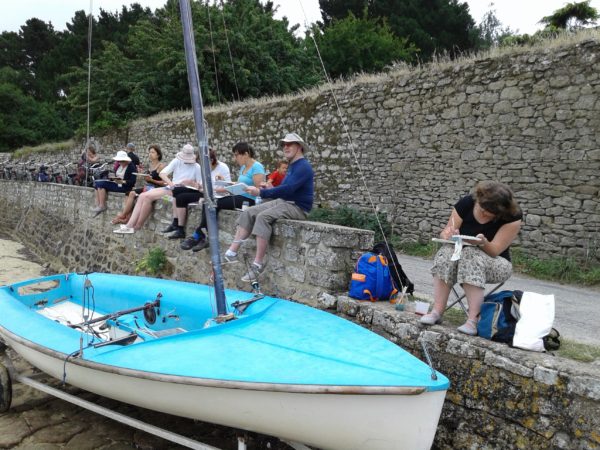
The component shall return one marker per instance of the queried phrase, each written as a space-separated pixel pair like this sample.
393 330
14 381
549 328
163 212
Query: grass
353 218
561 269
53 147
578 351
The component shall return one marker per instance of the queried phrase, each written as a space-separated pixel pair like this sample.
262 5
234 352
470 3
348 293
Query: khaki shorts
475 267
259 219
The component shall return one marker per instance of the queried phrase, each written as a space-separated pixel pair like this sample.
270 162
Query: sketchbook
237 188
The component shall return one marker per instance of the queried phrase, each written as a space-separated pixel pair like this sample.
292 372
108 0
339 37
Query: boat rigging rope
346 132
229 49
212 47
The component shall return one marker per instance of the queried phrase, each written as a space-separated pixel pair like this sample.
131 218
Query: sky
521 16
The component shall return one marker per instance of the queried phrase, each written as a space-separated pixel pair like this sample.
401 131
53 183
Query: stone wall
423 137
56 222
500 398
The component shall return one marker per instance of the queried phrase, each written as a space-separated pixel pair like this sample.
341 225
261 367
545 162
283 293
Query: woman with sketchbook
252 173
151 181
192 193
122 182
492 216
183 169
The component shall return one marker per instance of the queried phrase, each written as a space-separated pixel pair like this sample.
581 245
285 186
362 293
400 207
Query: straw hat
122 156
187 154
293 137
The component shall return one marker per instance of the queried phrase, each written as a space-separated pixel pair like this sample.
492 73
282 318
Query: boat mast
209 201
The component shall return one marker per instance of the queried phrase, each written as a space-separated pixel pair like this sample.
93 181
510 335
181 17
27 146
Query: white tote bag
537 318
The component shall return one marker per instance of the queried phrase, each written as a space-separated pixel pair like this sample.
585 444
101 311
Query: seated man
292 199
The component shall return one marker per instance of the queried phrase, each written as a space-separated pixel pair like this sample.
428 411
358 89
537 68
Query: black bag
400 279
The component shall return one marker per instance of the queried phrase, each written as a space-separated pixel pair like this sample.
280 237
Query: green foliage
354 218
154 263
353 45
578 351
416 248
572 16
561 269
434 26
491 31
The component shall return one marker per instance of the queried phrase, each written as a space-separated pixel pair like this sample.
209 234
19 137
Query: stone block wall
500 397
56 222
420 138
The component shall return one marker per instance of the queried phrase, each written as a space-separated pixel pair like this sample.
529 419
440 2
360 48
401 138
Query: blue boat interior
169 327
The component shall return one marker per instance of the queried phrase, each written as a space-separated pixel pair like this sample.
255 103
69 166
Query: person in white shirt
251 173
184 170
192 193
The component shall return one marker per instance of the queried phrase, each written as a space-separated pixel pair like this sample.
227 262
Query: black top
470 227
134 158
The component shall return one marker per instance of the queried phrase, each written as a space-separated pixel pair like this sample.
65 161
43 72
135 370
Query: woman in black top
491 214
150 182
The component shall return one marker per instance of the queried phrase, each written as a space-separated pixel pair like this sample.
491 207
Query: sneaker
229 259
178 234
431 319
469 327
253 273
99 210
169 229
201 245
189 243
124 229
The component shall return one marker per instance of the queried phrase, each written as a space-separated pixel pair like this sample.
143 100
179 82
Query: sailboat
241 359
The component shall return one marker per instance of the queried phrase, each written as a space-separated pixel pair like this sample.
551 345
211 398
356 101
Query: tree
434 26
491 32
354 45
572 16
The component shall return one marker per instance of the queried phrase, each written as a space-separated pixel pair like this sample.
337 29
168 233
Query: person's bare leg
101 197
240 235
441 291
180 214
128 205
261 250
474 296
144 207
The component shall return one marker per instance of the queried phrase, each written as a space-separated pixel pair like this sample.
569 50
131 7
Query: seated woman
88 157
184 195
151 181
185 170
123 182
491 214
251 173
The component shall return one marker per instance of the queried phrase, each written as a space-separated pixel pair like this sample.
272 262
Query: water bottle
258 200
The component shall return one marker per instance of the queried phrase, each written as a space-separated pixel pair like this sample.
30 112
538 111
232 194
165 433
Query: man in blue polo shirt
292 199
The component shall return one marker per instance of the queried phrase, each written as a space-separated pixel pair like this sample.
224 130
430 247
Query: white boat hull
325 420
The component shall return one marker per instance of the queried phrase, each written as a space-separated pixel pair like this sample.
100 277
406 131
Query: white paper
237 189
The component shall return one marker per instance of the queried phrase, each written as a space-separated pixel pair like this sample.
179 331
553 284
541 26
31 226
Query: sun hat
187 154
293 137
122 156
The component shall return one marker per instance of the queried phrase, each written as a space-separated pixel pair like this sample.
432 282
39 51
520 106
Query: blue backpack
499 316
372 279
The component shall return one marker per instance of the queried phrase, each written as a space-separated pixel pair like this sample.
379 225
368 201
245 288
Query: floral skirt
475 267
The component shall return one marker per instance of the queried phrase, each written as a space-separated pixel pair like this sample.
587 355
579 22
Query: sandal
469 327
118 219
432 318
